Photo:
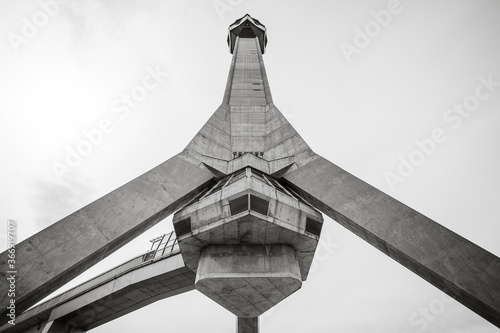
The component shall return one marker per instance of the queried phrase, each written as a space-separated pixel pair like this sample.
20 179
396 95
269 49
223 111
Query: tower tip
247 27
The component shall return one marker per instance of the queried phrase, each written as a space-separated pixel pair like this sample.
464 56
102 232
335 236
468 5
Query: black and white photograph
249 166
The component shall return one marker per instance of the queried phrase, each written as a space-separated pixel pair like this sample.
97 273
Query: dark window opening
183 227
238 205
259 205
247 33
312 226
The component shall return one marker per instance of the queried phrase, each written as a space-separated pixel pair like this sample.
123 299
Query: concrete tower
247 190
250 239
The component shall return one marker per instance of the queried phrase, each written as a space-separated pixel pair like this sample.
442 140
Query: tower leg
450 262
60 252
248 325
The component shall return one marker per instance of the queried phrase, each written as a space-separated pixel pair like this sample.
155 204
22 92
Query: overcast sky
367 84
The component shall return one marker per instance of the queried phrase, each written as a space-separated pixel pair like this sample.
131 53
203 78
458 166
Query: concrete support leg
450 262
78 241
248 325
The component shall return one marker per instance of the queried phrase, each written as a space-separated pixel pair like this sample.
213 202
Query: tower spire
247 129
247 27
247 82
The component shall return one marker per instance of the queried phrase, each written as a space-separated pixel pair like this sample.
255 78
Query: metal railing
163 246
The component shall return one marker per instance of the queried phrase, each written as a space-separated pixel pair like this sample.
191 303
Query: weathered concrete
211 220
248 122
55 255
248 279
80 309
247 87
250 241
247 325
450 262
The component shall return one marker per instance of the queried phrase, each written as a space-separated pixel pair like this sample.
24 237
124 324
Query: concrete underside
248 279
254 230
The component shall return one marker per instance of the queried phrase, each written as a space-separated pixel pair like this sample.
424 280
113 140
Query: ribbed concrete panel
248 128
247 86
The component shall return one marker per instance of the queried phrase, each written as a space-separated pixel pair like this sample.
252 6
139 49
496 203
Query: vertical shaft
248 325
247 81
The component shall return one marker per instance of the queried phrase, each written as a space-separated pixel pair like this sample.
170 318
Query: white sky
360 115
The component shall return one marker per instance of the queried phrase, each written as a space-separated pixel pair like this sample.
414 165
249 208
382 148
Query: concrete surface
248 122
248 279
212 222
